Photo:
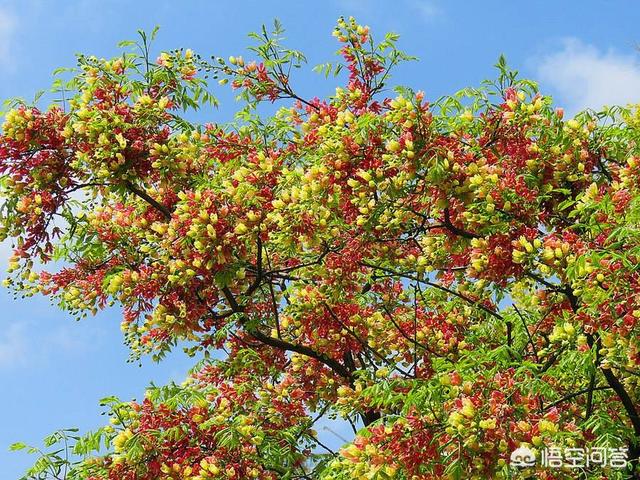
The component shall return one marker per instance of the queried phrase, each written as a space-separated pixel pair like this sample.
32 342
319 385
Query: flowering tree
456 279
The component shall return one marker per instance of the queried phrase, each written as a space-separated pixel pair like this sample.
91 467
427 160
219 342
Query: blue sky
53 369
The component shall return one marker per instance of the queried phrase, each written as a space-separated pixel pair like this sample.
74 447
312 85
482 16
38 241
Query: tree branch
147 198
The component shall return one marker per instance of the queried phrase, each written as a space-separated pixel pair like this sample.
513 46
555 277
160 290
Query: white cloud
427 9
5 253
66 338
13 345
30 343
8 25
585 77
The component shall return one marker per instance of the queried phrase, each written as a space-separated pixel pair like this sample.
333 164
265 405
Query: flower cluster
458 278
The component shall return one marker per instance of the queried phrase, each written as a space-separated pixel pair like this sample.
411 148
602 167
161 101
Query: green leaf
154 32
126 43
